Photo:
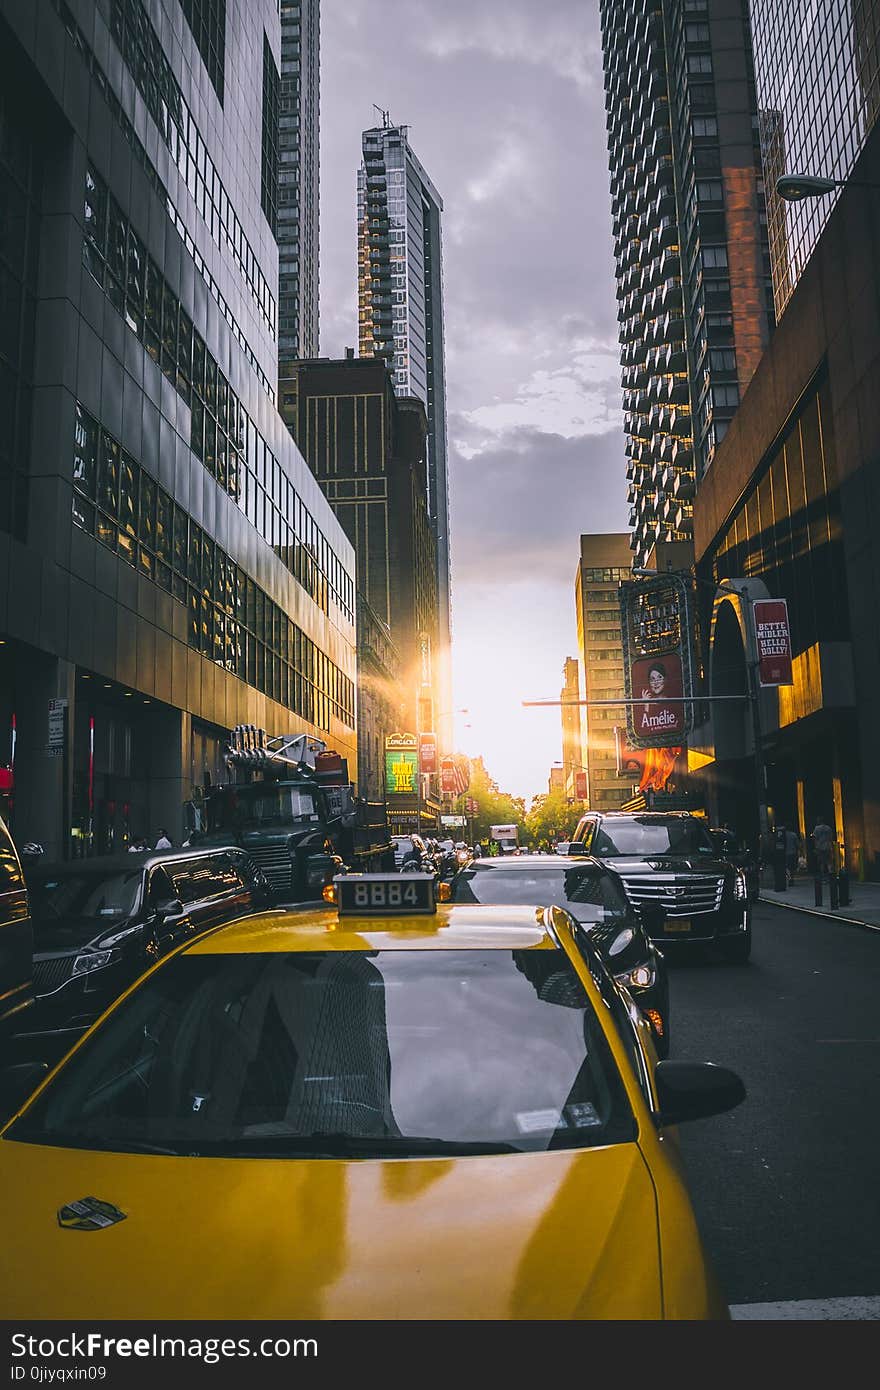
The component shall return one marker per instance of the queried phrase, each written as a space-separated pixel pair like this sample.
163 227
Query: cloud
559 37
520 506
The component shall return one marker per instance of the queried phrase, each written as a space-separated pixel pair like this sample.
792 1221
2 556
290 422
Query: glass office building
169 566
817 71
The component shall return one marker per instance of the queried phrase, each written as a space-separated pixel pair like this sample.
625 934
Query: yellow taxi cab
386 1108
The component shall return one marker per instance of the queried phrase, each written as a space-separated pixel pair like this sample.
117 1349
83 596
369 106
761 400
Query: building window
207 22
269 167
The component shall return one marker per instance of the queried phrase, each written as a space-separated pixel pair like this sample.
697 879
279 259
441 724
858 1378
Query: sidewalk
863 907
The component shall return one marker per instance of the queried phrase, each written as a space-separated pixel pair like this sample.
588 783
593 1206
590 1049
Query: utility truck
288 801
507 837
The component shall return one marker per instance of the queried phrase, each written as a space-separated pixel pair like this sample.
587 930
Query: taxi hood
567 1234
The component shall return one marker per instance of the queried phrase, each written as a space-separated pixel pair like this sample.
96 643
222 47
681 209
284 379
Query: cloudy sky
505 106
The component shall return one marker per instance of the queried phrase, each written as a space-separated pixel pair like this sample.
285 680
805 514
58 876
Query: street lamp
794 188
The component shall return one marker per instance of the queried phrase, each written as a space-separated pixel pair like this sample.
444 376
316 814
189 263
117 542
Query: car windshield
343 1054
644 838
260 806
83 894
588 895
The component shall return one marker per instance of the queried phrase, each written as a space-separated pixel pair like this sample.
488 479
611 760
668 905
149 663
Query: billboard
658 681
648 767
428 752
773 640
657 626
401 765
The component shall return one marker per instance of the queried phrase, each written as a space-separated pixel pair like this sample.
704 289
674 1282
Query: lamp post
794 188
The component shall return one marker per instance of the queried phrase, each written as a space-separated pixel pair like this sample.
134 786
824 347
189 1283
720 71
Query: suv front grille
679 895
276 864
51 973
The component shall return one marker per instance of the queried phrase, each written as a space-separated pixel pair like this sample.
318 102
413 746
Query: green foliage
494 806
551 818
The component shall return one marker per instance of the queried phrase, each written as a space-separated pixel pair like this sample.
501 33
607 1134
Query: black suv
668 859
100 923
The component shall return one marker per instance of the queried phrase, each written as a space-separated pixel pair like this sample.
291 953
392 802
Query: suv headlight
95 960
740 889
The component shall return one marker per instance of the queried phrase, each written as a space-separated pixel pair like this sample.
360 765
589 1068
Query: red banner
447 776
658 681
580 786
427 752
773 639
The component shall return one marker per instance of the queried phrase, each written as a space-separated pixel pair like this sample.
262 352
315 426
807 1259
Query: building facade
817 74
792 514
604 562
689 239
400 320
169 565
366 445
298 221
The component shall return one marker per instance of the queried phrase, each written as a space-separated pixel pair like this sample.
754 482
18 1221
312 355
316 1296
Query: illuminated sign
401 764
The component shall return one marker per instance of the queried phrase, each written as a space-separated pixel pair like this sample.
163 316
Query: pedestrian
792 854
822 838
138 843
163 841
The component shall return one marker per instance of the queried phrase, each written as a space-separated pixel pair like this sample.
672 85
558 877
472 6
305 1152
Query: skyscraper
689 242
400 312
817 73
298 179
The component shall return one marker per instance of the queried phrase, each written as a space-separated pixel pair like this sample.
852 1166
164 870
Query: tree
551 818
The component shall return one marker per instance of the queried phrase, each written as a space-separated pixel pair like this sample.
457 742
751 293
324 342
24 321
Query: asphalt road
787 1186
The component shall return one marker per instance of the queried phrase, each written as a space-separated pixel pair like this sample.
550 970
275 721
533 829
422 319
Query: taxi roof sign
385 895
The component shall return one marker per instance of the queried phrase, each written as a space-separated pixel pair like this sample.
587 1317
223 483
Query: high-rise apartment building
298 179
817 74
169 566
689 242
605 561
400 319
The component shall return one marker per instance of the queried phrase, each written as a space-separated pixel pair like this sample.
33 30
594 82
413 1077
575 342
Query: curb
816 912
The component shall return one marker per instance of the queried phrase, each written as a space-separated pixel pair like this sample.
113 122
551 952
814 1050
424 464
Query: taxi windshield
343 1054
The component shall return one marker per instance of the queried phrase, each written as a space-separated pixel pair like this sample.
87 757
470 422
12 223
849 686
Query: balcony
684 486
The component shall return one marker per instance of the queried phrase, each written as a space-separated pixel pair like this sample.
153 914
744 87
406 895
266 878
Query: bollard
833 894
843 888
817 884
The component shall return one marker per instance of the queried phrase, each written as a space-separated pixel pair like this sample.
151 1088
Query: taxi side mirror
172 908
695 1090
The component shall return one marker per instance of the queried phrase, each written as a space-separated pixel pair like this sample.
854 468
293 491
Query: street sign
57 716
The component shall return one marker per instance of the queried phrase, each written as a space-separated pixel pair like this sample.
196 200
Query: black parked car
668 859
100 923
594 896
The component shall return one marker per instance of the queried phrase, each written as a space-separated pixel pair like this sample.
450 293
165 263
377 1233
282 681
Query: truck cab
289 803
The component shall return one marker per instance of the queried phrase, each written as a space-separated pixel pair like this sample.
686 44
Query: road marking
810 1310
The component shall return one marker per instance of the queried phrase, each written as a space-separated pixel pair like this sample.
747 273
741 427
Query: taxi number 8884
384 895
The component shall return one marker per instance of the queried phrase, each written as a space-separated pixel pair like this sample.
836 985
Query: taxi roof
453 926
